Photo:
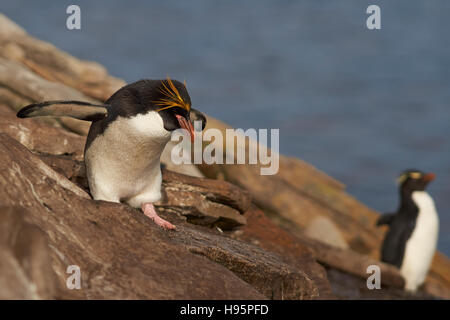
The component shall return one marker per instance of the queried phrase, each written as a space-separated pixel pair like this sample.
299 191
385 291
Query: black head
169 98
173 104
414 180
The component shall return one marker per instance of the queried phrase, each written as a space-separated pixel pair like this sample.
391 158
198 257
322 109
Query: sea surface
361 105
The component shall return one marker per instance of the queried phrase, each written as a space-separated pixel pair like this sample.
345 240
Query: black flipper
394 244
74 109
197 116
386 218
401 226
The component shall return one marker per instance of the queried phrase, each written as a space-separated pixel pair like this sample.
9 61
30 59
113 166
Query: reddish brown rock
41 137
122 254
352 262
350 287
202 201
25 263
261 231
217 191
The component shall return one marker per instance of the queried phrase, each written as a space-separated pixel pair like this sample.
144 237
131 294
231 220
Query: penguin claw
164 224
149 211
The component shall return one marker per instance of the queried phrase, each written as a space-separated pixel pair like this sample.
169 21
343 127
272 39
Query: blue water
360 105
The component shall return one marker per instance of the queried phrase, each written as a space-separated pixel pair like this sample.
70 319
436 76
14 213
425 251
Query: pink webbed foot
149 211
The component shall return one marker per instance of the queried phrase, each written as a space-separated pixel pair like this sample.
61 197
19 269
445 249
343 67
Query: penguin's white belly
123 164
421 246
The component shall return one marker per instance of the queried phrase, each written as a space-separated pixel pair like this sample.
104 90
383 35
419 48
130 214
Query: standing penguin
126 138
411 240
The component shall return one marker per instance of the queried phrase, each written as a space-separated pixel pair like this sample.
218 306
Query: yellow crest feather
413 175
172 97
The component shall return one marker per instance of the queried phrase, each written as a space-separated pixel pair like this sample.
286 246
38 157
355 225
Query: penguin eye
181 112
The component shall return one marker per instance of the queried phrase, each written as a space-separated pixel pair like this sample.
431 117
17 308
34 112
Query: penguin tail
61 108
385 219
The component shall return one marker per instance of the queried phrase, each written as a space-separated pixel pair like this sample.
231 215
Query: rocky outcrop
225 246
25 263
45 61
121 254
41 137
49 189
204 201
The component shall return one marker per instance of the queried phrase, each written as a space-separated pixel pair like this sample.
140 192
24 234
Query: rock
294 207
435 287
19 79
13 100
198 209
350 287
341 273
260 231
264 233
323 229
213 190
9 28
339 265
122 254
353 263
41 137
66 165
54 65
262 269
25 264
202 201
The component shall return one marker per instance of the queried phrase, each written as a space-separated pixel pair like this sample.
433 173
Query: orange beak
429 177
185 124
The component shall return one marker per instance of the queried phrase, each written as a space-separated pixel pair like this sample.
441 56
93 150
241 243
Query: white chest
421 245
124 162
